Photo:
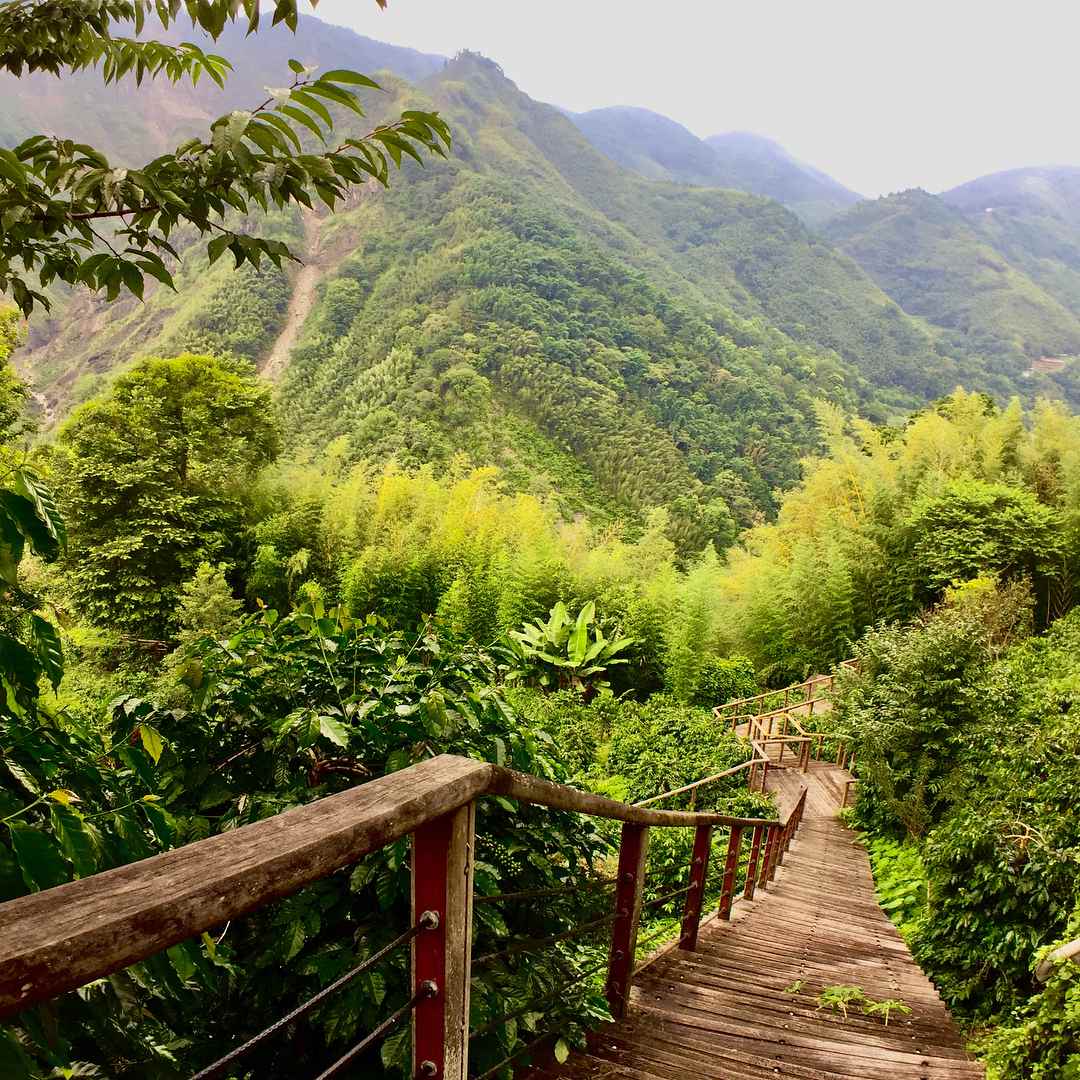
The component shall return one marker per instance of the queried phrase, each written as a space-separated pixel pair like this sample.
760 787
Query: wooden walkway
724 1012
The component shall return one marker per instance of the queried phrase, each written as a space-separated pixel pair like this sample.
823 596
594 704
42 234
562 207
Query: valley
448 540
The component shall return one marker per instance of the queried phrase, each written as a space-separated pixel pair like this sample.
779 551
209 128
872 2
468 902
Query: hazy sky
883 96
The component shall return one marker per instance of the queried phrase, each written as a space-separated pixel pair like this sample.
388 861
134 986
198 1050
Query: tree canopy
67 213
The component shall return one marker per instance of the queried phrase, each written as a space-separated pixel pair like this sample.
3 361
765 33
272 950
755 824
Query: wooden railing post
768 865
442 882
628 889
752 866
695 898
731 865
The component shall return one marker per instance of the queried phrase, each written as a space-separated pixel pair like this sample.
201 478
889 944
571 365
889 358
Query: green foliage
724 679
285 711
207 607
841 998
566 653
901 882
662 744
935 264
52 190
155 478
910 705
971 527
30 524
888 521
1040 1040
965 734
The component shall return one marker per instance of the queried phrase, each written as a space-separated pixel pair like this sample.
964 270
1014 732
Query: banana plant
565 653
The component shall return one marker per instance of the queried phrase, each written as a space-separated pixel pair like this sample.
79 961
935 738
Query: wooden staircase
744 1005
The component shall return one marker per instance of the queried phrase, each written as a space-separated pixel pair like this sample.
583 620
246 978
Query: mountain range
571 293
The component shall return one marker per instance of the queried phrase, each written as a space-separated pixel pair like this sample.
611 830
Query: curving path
725 1011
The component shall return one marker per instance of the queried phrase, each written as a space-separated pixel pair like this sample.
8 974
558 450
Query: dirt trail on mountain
300 303
48 413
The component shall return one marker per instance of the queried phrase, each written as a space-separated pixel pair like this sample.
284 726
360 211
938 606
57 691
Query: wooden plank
531 789
59 939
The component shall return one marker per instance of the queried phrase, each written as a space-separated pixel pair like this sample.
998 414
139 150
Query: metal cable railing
538 1002
536 894
427 990
664 897
429 920
532 944
521 1052
125 915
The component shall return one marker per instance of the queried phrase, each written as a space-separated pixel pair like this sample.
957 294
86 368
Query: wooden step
723 1011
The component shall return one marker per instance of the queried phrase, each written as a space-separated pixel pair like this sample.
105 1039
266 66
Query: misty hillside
662 149
1032 216
959 273
529 302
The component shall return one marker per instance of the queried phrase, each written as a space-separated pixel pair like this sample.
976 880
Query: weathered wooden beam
731 866
59 939
752 865
531 789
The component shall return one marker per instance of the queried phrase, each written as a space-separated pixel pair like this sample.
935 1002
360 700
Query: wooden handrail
700 783
806 685
1069 951
62 938
532 789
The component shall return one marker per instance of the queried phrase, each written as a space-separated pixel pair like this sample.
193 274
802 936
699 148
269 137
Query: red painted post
442 870
731 865
777 851
695 898
628 889
752 866
766 861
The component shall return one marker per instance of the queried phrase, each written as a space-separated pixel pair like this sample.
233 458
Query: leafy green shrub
285 711
565 653
1040 1040
900 880
966 729
661 745
724 678
580 726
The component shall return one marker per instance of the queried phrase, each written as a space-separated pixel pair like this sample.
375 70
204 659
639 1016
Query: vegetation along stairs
746 1003
739 995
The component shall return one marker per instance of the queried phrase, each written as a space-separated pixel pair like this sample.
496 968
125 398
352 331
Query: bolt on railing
57 940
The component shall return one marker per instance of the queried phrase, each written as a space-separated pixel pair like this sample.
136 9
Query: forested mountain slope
661 149
1032 216
935 263
129 126
531 303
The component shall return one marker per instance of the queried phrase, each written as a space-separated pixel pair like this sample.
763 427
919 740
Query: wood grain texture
724 1012
532 789
57 940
